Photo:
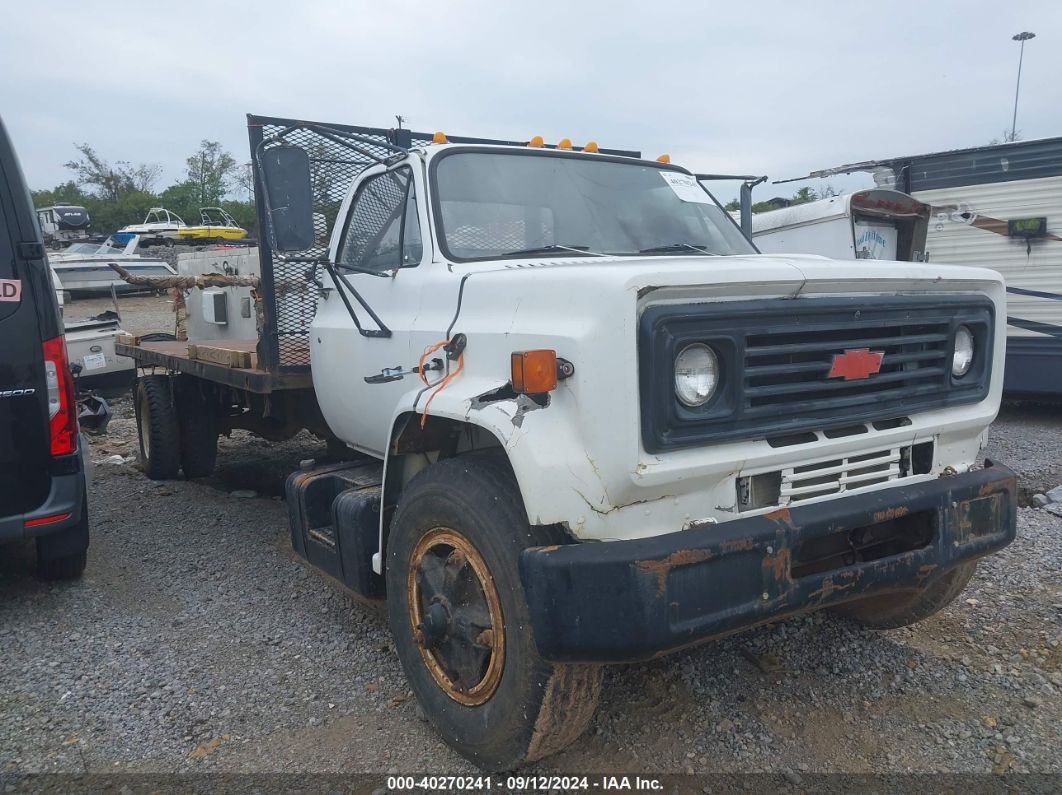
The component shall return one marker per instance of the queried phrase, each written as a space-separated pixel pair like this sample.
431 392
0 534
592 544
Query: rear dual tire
197 432
466 646
171 440
156 423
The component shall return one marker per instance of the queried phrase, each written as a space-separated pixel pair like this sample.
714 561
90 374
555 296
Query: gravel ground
198 642
1026 438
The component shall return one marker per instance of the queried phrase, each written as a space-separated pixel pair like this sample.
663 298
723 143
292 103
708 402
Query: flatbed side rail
173 357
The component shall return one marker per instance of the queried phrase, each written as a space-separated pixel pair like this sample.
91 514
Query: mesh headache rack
338 153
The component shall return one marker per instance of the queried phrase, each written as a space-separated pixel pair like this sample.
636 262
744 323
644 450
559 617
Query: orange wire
443 383
424 356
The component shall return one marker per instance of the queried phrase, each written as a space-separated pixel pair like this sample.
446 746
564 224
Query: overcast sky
777 88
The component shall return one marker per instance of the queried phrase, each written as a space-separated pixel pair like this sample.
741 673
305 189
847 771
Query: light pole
1023 37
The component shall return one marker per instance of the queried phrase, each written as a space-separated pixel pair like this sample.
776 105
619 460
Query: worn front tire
901 609
461 524
156 424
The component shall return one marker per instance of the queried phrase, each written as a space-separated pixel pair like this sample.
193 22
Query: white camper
871 224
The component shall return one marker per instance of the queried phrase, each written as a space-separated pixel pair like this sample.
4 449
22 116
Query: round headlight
963 356
696 374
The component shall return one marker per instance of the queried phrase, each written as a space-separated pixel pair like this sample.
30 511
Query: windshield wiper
677 247
551 248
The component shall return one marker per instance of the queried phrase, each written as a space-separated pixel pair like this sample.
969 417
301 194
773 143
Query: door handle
397 373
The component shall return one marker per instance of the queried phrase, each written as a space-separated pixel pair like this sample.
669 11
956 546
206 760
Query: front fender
558 480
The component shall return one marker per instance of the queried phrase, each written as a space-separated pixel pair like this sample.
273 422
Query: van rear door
29 316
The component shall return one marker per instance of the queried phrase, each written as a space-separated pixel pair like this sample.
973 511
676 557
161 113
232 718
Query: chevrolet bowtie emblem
856 364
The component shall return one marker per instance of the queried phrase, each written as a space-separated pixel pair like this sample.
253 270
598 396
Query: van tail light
62 410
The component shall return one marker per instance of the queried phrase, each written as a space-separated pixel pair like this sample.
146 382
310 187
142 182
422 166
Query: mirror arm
339 279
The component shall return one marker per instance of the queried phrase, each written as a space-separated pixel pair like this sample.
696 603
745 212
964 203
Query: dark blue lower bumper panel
624 601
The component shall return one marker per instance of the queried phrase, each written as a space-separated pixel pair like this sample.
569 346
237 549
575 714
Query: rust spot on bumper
781 515
738 545
777 564
925 572
829 587
891 513
660 568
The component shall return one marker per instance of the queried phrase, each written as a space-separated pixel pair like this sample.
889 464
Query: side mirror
286 174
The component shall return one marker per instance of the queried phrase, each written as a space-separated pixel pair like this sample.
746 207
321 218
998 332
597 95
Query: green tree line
120 193
802 196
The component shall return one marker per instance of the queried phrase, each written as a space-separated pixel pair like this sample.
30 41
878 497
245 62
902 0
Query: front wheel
461 624
894 610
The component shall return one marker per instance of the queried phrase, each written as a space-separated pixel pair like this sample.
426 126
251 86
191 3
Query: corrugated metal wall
954 239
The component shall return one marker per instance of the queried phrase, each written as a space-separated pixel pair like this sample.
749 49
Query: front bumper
623 601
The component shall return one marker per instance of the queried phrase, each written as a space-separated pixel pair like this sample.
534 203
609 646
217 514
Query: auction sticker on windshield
10 290
686 187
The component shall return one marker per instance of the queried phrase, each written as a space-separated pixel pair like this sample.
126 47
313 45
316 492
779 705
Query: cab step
334 514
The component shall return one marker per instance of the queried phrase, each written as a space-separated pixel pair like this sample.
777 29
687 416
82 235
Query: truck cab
595 425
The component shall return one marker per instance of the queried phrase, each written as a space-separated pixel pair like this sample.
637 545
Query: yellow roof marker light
439 138
591 146
664 159
565 143
537 141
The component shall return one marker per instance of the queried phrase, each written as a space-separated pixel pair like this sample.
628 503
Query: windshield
107 247
492 205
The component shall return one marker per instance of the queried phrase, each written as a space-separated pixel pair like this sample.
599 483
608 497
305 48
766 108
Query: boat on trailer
86 267
215 226
159 225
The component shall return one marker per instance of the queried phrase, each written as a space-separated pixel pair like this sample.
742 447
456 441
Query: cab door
377 247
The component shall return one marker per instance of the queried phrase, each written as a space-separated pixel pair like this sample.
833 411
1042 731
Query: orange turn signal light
534 372
664 159
439 138
538 140
591 146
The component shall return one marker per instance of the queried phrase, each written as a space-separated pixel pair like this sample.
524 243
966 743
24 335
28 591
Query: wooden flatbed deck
173 355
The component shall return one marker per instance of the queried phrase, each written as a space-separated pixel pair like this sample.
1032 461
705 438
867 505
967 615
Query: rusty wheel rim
456 616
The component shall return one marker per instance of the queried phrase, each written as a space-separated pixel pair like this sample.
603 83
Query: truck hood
753 276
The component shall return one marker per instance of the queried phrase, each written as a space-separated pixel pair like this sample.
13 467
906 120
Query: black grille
790 368
777 357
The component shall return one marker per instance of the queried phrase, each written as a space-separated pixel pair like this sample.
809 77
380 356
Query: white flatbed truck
596 425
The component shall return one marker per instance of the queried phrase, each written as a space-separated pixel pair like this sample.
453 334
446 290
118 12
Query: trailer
870 224
62 224
996 206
